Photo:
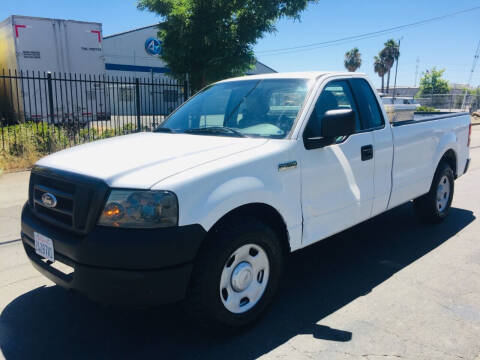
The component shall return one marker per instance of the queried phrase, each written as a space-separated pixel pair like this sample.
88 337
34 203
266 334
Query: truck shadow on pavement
50 322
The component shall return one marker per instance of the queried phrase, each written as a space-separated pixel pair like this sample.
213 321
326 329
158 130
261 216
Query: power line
322 44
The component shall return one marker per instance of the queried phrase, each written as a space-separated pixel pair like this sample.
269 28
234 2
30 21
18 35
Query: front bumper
120 266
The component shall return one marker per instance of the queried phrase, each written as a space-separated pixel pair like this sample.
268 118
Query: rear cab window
370 112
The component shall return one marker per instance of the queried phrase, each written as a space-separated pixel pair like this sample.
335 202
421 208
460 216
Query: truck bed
419 144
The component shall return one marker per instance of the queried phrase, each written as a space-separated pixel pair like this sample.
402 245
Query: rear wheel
236 274
434 206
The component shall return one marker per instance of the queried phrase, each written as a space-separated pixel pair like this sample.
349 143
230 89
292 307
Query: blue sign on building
153 46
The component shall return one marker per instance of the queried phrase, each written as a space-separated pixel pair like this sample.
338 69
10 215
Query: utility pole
474 65
396 71
431 93
416 72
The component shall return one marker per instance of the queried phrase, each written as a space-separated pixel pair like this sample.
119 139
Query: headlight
140 209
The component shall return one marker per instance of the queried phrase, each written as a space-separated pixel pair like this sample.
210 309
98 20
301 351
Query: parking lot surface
389 288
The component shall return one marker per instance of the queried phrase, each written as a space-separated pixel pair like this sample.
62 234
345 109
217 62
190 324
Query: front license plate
44 246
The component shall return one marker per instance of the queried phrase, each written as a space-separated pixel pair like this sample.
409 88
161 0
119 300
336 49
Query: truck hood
141 160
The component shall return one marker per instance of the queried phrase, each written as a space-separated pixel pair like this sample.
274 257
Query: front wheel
434 206
236 274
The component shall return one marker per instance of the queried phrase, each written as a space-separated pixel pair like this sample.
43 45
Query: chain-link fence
451 102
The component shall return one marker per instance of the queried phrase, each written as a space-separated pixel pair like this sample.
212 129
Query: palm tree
353 60
380 68
389 54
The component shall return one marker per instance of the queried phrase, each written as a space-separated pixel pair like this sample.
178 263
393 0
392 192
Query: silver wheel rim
443 193
244 278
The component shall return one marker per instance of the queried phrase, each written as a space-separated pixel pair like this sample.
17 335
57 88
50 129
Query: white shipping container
41 45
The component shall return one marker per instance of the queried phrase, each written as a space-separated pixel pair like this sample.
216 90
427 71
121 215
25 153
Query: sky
448 44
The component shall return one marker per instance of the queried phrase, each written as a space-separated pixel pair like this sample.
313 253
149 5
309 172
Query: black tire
204 300
426 206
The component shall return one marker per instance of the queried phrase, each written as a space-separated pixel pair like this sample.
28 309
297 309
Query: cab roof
311 75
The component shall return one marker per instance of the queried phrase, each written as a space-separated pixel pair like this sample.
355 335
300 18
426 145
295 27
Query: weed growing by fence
31 141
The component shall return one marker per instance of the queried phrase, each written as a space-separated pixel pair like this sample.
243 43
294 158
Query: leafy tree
213 40
380 68
353 60
389 54
432 83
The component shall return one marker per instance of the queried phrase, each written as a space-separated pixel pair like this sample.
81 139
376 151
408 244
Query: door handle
367 152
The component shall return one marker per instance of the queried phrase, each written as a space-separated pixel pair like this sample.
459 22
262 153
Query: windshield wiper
215 129
163 129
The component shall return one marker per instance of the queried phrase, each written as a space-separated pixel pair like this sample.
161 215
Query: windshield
258 108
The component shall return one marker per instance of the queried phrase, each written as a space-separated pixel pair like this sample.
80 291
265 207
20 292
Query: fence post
152 91
137 100
185 89
50 97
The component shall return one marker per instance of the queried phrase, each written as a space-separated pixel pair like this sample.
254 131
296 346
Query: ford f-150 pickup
207 206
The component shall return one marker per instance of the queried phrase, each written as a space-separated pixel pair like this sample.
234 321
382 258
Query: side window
370 113
335 96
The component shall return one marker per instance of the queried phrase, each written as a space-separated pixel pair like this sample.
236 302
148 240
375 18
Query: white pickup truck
206 207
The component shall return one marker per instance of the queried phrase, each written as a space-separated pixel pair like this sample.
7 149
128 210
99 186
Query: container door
84 55
36 51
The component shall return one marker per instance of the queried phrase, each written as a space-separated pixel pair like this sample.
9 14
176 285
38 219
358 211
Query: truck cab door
373 120
337 179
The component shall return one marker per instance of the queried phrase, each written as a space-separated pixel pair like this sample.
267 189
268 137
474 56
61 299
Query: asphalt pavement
389 288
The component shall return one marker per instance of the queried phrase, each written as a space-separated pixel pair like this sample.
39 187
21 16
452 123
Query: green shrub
107 133
33 137
23 144
87 134
129 128
426 109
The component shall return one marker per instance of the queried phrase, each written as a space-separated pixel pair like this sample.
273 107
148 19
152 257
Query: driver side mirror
334 124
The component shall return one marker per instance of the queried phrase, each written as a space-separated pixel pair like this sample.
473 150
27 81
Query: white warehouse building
136 53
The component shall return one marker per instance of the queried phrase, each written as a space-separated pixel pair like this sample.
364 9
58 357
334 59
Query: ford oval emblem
49 200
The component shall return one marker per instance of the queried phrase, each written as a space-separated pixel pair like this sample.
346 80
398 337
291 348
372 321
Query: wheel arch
446 150
263 212
450 157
